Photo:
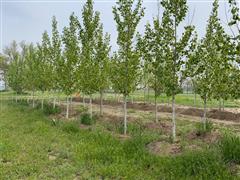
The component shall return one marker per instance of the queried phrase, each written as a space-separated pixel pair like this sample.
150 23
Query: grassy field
33 147
181 99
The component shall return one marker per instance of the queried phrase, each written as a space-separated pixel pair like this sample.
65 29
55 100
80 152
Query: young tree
102 60
31 71
126 64
55 57
175 50
88 70
67 64
16 67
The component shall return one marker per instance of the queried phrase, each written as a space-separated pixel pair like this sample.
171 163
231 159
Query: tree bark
173 119
156 109
144 95
205 113
83 101
148 95
91 111
67 113
101 103
54 102
223 104
195 99
219 104
33 100
125 114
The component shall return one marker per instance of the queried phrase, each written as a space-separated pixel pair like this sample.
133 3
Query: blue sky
27 19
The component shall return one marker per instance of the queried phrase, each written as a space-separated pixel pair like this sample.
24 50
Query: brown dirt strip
212 114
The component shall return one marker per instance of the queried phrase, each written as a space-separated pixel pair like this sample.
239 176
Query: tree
68 63
126 63
55 57
103 65
31 71
175 50
15 71
88 70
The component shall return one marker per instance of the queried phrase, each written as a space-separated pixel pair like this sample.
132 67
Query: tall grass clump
86 119
201 130
198 165
229 147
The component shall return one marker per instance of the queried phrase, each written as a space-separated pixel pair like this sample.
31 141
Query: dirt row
212 113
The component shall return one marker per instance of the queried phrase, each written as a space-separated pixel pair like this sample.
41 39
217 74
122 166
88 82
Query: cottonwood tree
152 51
45 76
16 67
55 57
175 50
103 64
71 53
31 71
210 61
88 70
126 64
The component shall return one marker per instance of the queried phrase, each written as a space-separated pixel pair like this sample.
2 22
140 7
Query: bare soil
212 113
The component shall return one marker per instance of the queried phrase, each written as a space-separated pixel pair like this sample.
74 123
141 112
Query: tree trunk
33 100
223 104
101 103
156 109
148 95
144 95
219 105
67 113
91 111
125 114
195 99
132 99
205 113
54 102
173 119
83 101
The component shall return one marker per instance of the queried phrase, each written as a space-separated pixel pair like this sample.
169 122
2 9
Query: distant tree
16 67
67 65
126 65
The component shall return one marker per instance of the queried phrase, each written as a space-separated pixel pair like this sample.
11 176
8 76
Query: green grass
32 147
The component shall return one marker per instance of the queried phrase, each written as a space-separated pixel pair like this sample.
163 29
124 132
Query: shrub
201 130
230 148
86 119
48 109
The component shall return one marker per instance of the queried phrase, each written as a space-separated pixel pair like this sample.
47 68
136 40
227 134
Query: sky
27 19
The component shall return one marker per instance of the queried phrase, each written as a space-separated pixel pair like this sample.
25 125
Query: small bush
201 130
230 148
87 120
48 109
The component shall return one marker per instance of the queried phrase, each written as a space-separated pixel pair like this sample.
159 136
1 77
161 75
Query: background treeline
80 60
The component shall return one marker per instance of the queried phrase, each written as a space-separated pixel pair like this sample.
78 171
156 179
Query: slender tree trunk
115 94
54 102
195 99
83 100
148 95
67 113
144 95
91 111
33 100
205 113
16 98
42 100
132 99
219 104
101 103
173 119
223 104
156 109
125 114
